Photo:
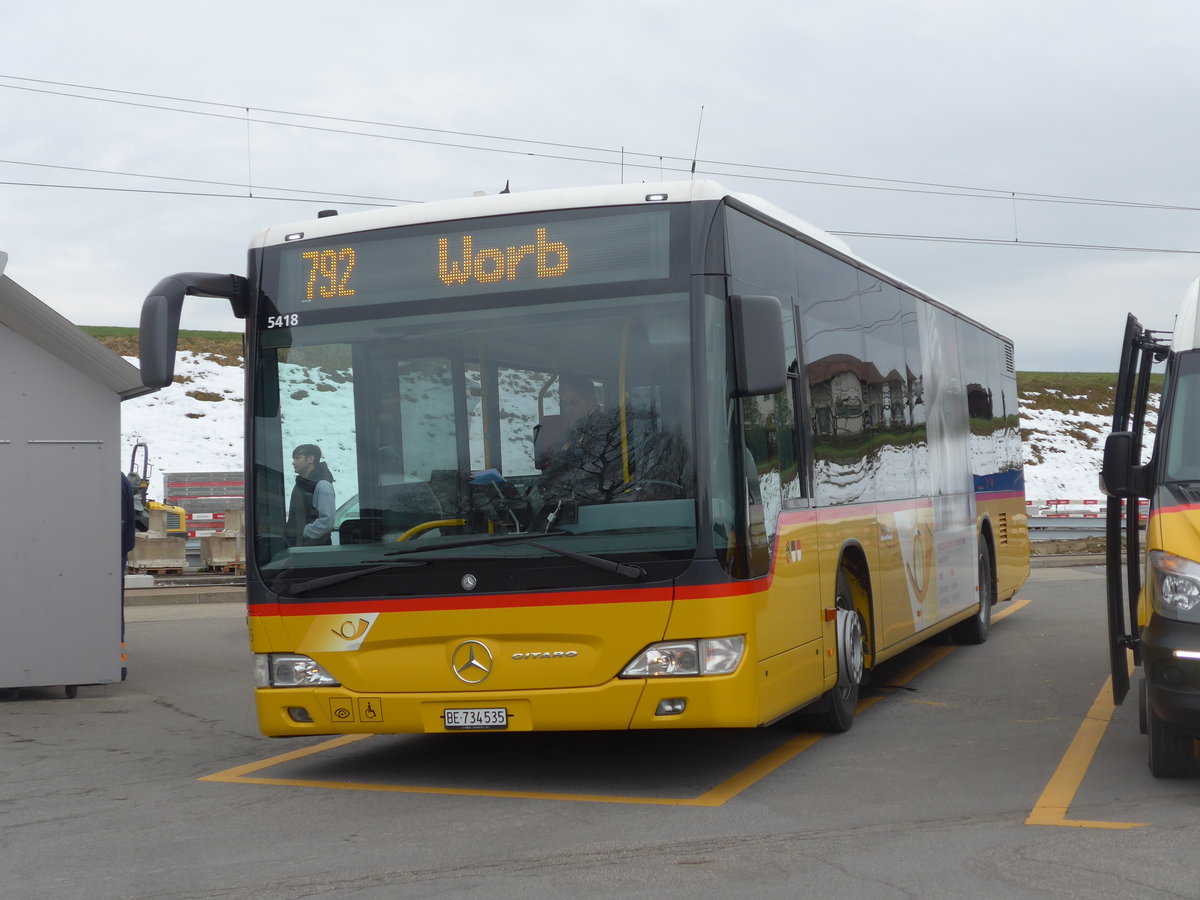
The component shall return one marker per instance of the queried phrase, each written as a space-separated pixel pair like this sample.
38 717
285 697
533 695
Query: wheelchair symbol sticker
369 709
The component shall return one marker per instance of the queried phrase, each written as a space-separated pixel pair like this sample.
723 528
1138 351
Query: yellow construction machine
173 518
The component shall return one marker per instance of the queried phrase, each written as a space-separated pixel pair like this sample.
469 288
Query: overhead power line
945 239
606 156
611 156
1057 245
309 194
214 194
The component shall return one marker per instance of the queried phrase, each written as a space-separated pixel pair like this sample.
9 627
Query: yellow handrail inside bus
429 526
621 405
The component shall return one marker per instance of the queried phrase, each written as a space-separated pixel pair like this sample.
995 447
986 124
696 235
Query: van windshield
1182 458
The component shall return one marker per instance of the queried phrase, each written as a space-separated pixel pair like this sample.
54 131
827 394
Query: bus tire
835 710
975 629
1171 752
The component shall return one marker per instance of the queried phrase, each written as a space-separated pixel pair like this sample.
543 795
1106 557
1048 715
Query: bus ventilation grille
1002 528
1009 362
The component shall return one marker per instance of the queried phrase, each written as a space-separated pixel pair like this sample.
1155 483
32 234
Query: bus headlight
1174 586
707 656
289 670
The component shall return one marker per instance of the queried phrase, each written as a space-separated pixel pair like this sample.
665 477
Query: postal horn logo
472 661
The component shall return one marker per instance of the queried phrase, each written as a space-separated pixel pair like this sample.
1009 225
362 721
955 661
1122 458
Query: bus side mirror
760 362
158 335
1119 476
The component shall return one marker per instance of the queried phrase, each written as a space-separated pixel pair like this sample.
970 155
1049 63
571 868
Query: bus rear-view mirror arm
760 359
159 331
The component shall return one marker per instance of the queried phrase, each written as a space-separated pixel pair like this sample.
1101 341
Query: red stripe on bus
851 511
1001 495
465 601
519 601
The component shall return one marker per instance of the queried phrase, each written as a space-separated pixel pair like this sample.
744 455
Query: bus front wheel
835 710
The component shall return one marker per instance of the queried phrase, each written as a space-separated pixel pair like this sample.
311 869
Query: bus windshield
566 419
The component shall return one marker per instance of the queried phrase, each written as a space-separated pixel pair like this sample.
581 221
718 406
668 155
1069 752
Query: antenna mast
696 151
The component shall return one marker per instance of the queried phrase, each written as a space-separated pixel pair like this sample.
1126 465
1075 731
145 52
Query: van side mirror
760 361
1119 476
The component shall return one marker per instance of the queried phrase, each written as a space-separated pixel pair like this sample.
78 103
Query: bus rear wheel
835 710
975 629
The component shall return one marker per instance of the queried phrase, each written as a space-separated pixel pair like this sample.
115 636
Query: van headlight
289 670
1174 586
706 656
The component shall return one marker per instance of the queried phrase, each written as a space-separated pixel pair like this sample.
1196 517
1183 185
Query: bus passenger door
778 540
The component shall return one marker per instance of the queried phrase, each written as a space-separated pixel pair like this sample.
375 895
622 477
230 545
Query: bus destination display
398 266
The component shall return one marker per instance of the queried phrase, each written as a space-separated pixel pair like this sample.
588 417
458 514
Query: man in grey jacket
310 512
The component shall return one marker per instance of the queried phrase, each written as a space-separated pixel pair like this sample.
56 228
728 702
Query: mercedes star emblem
472 661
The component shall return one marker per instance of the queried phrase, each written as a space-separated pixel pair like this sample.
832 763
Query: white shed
60 469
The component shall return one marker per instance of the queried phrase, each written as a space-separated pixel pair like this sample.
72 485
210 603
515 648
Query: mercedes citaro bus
625 457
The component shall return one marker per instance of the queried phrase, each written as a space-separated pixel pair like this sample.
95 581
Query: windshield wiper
478 540
633 573
340 577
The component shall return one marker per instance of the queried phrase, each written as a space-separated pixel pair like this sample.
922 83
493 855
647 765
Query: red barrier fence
1076 509
205 496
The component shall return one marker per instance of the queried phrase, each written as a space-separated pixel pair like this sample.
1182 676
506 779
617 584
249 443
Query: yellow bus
623 457
1156 618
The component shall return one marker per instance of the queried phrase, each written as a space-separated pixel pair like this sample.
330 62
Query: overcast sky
972 115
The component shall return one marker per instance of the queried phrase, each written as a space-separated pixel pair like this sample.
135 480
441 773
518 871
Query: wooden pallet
154 570
230 569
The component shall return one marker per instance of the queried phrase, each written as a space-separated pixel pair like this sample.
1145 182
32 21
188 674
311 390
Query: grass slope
224 347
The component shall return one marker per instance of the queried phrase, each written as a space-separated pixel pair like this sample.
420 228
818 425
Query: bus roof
488 205
535 201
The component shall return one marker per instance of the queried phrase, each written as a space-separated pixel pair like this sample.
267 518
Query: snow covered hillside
196 426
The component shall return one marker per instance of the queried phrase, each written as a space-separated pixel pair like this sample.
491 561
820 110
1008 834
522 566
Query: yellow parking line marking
1051 808
1010 609
238 773
717 796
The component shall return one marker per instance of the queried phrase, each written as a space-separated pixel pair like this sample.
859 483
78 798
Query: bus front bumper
622 704
1171 663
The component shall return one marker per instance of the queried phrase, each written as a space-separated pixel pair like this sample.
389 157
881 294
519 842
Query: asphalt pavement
992 771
